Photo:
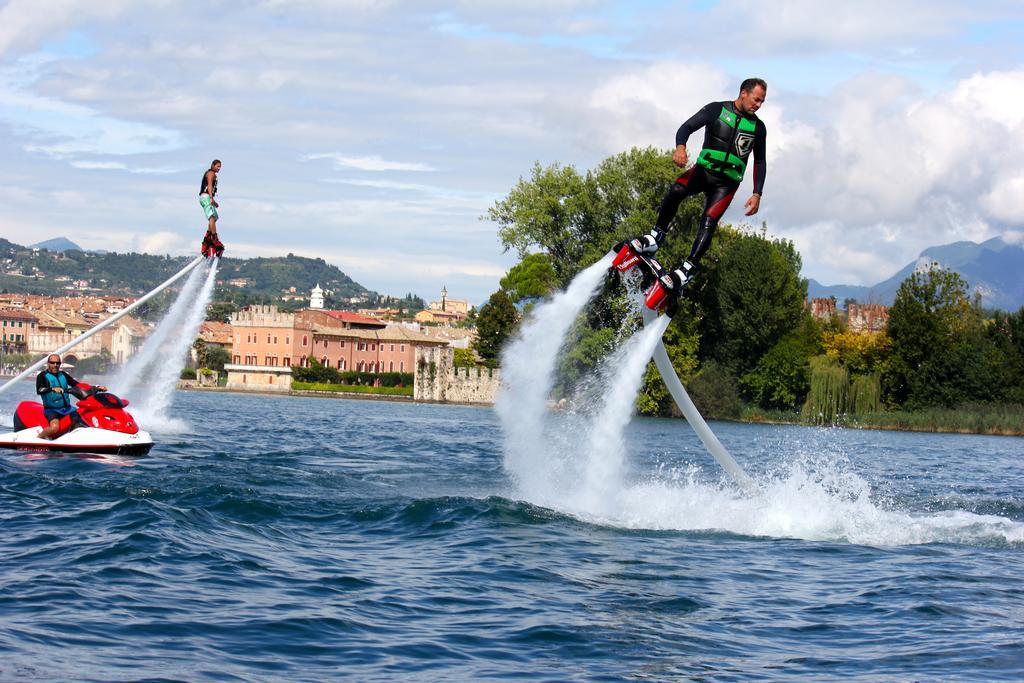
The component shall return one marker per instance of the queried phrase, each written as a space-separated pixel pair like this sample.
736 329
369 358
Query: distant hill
992 268
60 244
267 279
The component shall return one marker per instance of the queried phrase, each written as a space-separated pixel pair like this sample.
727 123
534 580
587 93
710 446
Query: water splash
815 499
528 372
621 377
149 378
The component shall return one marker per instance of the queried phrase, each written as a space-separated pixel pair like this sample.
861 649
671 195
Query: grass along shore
975 418
352 389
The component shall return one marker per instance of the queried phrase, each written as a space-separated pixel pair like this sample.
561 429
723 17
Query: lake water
278 538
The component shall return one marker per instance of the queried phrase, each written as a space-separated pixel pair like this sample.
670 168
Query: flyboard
654 300
109 428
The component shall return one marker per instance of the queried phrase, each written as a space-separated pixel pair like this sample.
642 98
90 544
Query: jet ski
110 430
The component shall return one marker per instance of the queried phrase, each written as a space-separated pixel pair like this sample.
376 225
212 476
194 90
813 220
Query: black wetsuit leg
717 198
686 185
718 194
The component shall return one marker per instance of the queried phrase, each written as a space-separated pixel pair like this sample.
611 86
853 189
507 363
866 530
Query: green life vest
727 144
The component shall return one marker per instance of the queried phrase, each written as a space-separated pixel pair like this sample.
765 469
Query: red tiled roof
350 317
14 314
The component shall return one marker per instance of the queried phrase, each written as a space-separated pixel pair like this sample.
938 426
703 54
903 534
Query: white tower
316 298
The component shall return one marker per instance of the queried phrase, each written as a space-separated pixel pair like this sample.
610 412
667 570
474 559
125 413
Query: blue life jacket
51 399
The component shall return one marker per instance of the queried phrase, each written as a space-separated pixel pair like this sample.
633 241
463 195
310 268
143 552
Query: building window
391 366
401 366
305 340
237 358
275 340
287 361
342 343
392 348
268 338
287 340
403 348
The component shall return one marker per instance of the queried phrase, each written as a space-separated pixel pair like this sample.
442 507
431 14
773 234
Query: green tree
715 392
531 278
220 311
781 378
464 358
216 357
751 296
941 354
575 218
495 323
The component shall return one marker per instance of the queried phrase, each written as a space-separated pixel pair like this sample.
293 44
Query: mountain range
55 266
58 244
994 269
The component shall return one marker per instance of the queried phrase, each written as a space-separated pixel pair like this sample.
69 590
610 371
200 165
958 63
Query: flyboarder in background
212 245
732 132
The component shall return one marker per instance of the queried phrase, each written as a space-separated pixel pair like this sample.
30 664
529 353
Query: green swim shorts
208 208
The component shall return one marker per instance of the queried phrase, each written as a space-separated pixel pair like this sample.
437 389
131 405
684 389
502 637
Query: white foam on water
149 378
818 501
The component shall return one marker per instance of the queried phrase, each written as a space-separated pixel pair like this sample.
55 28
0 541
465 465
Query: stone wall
258 378
867 317
437 379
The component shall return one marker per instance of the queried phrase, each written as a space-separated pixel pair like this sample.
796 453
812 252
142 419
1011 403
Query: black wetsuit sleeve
760 166
73 387
42 386
702 118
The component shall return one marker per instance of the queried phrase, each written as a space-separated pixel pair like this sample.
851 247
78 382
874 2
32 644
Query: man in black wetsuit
732 133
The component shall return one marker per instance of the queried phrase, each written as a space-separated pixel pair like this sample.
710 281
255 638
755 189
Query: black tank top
202 187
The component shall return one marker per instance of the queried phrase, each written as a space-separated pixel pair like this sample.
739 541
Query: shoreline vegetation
981 419
324 387
985 419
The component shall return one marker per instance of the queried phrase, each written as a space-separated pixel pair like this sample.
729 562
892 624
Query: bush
188 373
351 388
316 372
715 392
464 358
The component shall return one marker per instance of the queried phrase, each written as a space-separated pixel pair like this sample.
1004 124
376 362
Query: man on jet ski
54 385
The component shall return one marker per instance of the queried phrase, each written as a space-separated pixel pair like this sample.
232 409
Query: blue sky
376 134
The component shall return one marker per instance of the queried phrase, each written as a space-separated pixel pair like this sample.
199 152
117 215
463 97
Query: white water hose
693 416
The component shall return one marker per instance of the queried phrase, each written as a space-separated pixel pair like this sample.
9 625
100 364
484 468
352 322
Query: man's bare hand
679 157
753 204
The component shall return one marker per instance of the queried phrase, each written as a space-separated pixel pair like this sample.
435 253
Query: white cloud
26 23
646 107
370 163
99 165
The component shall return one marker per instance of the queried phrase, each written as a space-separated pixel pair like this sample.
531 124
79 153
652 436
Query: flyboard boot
664 294
211 245
661 288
